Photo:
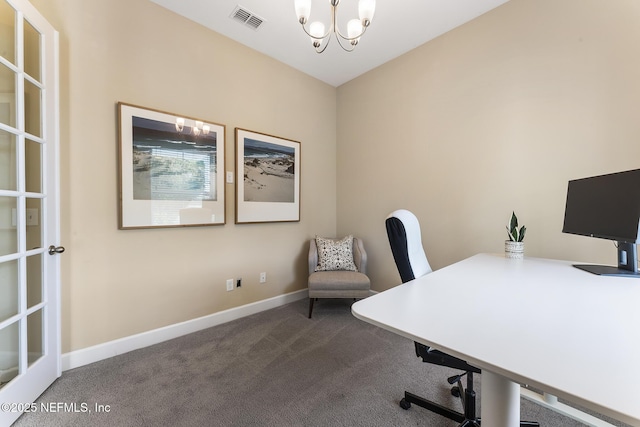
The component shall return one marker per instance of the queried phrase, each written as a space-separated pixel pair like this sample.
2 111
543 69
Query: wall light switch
229 177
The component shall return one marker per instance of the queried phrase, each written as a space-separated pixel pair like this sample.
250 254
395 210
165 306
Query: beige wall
117 283
494 116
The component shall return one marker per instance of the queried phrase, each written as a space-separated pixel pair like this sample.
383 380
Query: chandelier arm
324 47
364 29
347 49
336 29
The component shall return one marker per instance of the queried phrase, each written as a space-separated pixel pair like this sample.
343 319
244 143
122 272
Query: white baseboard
77 358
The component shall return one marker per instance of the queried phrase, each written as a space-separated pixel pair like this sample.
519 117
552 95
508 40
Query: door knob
55 250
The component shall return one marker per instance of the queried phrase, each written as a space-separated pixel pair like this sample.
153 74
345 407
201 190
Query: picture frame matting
267 178
171 170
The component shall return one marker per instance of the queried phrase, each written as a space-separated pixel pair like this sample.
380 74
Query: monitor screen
604 206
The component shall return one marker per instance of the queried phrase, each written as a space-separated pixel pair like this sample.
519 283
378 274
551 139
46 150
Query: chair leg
310 306
468 418
410 398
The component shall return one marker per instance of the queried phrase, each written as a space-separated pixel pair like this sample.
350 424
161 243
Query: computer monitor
607 207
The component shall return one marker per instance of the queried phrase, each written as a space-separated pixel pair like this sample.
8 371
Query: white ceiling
397 27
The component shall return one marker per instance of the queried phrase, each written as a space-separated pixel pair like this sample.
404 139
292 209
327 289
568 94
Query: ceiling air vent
249 19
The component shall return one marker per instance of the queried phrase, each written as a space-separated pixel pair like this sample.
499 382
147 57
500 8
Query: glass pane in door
31 51
8 229
8 159
34 280
7 96
34 223
33 166
8 290
32 106
34 334
29 321
7 32
9 345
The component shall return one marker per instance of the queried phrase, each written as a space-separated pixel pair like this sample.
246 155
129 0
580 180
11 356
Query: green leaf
514 222
512 229
523 230
509 233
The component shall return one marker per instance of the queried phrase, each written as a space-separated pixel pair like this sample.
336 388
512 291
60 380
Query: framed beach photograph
267 178
171 170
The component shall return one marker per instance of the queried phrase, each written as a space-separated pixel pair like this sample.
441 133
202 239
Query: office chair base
410 398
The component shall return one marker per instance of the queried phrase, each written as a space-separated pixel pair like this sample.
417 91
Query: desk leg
500 401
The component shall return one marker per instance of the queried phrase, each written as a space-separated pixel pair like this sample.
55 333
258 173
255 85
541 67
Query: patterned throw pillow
335 254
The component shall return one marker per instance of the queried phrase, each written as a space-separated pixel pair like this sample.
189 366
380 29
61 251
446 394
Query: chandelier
355 27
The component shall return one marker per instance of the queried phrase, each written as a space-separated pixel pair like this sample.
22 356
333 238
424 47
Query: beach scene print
268 172
172 165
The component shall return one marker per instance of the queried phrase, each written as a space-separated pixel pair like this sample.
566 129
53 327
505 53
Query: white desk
534 321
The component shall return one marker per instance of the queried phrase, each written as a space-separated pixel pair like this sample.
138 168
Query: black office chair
403 230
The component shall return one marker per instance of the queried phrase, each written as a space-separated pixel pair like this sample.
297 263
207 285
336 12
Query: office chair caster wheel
455 391
404 404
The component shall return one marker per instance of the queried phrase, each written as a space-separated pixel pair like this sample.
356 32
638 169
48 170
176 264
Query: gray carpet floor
275 368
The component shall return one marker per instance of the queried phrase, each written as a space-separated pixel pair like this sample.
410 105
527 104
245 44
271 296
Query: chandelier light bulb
354 28
317 33
366 10
303 10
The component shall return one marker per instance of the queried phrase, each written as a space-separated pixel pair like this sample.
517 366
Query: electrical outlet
230 284
238 282
263 277
32 216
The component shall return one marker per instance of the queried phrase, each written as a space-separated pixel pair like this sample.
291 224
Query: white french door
29 209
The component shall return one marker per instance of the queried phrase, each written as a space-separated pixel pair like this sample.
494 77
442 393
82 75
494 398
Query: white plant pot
513 250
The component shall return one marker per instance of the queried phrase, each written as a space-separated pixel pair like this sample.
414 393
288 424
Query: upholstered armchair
337 269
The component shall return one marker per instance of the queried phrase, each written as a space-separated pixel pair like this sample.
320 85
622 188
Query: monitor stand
606 270
627 263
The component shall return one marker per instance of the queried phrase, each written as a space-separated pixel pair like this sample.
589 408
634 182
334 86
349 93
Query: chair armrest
313 256
431 355
359 255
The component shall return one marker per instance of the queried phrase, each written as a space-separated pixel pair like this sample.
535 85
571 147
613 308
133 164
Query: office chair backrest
403 230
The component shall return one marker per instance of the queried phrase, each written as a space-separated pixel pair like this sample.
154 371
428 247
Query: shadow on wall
301 272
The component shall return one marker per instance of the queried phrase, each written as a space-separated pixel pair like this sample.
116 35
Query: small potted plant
514 247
